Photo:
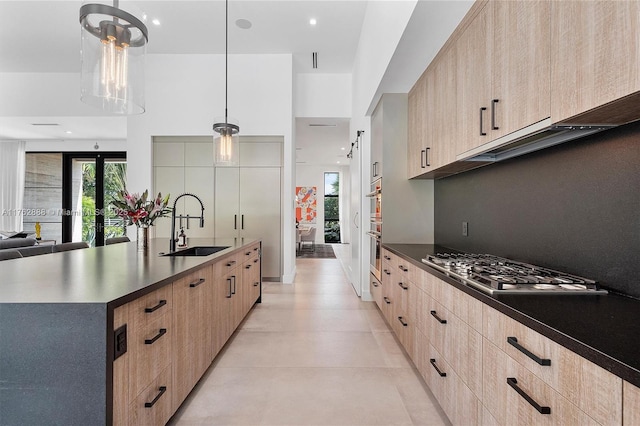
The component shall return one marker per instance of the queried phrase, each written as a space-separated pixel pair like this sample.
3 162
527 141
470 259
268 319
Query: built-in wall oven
375 228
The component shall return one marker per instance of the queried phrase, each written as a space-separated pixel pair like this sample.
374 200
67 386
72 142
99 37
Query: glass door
90 181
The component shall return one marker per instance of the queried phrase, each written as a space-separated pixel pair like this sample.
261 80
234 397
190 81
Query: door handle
423 155
355 222
426 156
493 114
235 221
242 222
482 133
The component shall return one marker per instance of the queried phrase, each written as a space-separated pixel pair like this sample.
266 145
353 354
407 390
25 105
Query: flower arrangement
138 210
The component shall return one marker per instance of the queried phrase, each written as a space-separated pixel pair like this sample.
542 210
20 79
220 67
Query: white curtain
12 175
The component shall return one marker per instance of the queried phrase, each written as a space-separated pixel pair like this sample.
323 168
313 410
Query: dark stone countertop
604 329
112 275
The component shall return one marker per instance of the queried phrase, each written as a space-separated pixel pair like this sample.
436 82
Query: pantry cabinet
595 61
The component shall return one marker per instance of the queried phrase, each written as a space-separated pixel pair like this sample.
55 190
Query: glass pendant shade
112 55
226 142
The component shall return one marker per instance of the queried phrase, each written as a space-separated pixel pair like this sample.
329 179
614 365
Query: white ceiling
44 36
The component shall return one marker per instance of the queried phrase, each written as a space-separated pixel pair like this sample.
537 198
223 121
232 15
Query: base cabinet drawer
586 385
375 287
513 395
150 349
153 405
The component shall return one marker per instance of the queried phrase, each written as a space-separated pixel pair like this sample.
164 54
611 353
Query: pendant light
225 138
112 55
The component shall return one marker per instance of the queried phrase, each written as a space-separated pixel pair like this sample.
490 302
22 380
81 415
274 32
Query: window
331 207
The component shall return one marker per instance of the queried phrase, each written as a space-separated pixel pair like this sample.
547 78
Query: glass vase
143 238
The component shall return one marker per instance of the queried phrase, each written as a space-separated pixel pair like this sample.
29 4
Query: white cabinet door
259 213
227 199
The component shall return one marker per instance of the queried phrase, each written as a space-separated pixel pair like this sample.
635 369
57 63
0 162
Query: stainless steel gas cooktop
497 275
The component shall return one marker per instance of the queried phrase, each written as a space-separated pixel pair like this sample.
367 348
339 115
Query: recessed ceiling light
68 132
155 22
343 148
312 21
245 24
338 162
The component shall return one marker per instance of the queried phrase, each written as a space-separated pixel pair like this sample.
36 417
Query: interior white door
260 215
227 200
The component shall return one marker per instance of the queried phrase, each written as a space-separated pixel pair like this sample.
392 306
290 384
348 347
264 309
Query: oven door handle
374 193
374 235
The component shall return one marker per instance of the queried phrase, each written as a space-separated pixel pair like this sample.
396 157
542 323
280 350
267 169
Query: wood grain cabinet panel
417 124
521 65
631 404
375 288
153 406
509 407
596 52
148 308
590 387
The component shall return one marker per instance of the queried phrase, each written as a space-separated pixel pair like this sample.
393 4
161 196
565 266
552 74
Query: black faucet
173 239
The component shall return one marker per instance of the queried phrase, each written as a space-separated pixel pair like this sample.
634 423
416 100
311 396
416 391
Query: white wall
309 175
185 93
75 145
323 95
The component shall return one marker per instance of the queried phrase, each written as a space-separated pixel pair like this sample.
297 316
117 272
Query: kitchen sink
197 251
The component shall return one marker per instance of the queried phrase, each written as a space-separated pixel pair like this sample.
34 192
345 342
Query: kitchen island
572 354
79 329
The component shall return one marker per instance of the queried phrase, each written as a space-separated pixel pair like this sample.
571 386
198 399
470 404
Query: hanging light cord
226 58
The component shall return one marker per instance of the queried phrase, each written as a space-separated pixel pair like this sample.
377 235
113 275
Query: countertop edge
603 360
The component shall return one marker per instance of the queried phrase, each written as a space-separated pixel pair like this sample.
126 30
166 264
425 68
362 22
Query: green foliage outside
115 177
332 211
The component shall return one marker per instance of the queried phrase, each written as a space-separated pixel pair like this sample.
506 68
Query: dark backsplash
574 207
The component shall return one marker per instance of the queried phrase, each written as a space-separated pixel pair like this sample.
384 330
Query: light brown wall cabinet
480 363
519 67
175 332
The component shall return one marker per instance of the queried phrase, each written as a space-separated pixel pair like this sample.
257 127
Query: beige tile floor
312 354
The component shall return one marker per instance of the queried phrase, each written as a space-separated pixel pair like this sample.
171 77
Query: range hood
532 138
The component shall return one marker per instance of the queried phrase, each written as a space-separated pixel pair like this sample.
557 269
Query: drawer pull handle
514 342
482 133
256 260
255 249
161 333
403 268
433 363
229 295
387 257
373 283
402 286
231 263
162 390
155 308
197 283
440 320
493 114
387 301
386 271
404 324
248 267
511 381
248 253
234 284
256 284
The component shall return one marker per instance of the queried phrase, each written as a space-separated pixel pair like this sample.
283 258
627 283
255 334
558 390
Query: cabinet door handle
426 156
402 286
511 381
248 267
386 271
373 283
387 301
440 320
197 283
256 284
155 308
433 363
403 268
423 155
493 114
162 390
514 342
234 284
235 221
161 333
387 257
256 260
482 133
248 253
233 262
229 295
242 222
404 324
